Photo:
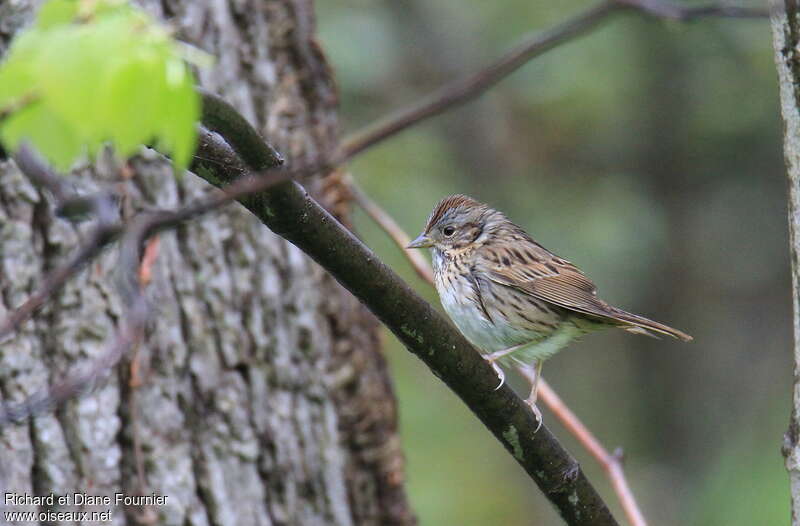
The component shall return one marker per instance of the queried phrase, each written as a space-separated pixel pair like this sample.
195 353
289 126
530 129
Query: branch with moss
289 211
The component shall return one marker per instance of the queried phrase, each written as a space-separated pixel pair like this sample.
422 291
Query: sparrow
513 299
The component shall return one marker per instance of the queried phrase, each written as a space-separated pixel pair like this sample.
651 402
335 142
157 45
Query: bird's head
456 223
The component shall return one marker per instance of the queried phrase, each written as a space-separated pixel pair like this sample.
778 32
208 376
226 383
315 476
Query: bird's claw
500 374
498 371
538 415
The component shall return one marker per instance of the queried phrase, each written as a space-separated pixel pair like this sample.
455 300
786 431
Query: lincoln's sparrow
512 298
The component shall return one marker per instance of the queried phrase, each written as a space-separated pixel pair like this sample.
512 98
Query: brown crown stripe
453 201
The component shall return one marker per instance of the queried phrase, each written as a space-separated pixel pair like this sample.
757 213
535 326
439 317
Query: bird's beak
422 241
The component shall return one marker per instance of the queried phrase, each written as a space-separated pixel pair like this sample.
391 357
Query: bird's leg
493 357
532 374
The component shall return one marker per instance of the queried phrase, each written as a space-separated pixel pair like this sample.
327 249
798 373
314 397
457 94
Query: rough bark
786 38
263 398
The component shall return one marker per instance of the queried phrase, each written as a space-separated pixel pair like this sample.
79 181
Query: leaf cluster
92 72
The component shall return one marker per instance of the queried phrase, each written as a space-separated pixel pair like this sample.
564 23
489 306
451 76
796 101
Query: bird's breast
480 323
491 316
457 297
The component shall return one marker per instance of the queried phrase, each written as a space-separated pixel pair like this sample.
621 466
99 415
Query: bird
513 299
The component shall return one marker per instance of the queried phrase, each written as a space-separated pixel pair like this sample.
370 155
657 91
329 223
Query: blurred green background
649 154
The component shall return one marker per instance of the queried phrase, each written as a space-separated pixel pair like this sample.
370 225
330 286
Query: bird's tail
641 325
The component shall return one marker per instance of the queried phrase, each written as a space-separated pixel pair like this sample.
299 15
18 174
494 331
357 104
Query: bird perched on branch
509 296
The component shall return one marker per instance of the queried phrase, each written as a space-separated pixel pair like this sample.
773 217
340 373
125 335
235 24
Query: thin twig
100 237
683 13
611 463
463 90
69 204
105 233
148 260
81 383
137 256
472 86
42 175
388 224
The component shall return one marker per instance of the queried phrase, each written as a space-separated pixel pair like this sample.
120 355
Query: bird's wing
532 269
550 279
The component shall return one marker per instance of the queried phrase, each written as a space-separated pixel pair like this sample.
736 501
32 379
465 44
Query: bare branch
102 236
388 224
611 462
84 382
673 11
69 203
463 90
472 86
106 232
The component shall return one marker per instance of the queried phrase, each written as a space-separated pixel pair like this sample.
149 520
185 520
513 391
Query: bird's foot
500 374
536 413
492 359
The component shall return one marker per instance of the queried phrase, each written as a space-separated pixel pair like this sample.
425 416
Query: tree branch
388 224
472 86
671 11
463 90
108 229
289 211
610 462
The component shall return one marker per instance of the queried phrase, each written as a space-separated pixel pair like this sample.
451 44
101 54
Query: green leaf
101 71
47 131
56 13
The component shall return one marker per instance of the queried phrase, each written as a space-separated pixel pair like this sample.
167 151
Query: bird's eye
448 231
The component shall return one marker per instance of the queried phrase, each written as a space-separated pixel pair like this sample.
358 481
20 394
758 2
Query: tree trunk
259 396
786 39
